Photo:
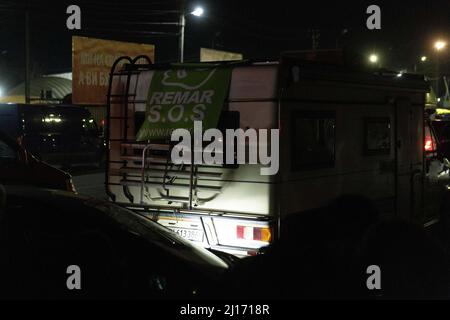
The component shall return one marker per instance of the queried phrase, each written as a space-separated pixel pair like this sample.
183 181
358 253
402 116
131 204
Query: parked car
63 135
18 166
439 122
120 253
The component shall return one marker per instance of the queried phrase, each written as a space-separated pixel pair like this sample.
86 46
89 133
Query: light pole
181 40
27 57
198 12
439 45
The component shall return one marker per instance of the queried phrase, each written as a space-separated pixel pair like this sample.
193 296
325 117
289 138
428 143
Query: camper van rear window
377 139
313 139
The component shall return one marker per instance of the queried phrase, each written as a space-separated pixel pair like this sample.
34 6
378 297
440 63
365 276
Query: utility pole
439 46
181 40
27 56
182 24
438 75
197 12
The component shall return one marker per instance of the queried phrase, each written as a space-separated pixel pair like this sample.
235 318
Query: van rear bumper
234 233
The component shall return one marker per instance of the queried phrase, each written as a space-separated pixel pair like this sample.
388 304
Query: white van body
238 210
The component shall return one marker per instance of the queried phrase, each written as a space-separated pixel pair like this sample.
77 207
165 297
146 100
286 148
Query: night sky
260 30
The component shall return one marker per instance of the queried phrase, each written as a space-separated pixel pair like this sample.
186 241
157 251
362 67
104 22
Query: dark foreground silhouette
325 253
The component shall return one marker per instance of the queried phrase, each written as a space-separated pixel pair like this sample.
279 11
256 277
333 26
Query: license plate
190 234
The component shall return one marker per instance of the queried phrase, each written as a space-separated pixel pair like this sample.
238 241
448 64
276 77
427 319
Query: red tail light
429 145
254 233
240 232
430 142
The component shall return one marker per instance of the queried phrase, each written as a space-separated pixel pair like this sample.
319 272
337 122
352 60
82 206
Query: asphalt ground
89 181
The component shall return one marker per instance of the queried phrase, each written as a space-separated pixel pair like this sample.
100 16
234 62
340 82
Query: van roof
314 70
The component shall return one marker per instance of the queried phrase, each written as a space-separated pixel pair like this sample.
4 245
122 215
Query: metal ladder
160 167
154 161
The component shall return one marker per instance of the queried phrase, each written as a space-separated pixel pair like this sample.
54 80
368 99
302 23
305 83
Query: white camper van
341 131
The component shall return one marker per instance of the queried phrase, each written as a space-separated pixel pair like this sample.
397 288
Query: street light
198 12
373 58
423 58
439 45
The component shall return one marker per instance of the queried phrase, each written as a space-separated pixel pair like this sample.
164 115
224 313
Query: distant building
42 90
65 75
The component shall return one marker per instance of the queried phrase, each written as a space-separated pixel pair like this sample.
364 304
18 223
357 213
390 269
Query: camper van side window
377 136
313 139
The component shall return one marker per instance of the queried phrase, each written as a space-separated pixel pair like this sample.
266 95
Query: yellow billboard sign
208 55
91 64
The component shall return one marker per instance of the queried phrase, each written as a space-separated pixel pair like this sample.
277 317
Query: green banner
182 95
